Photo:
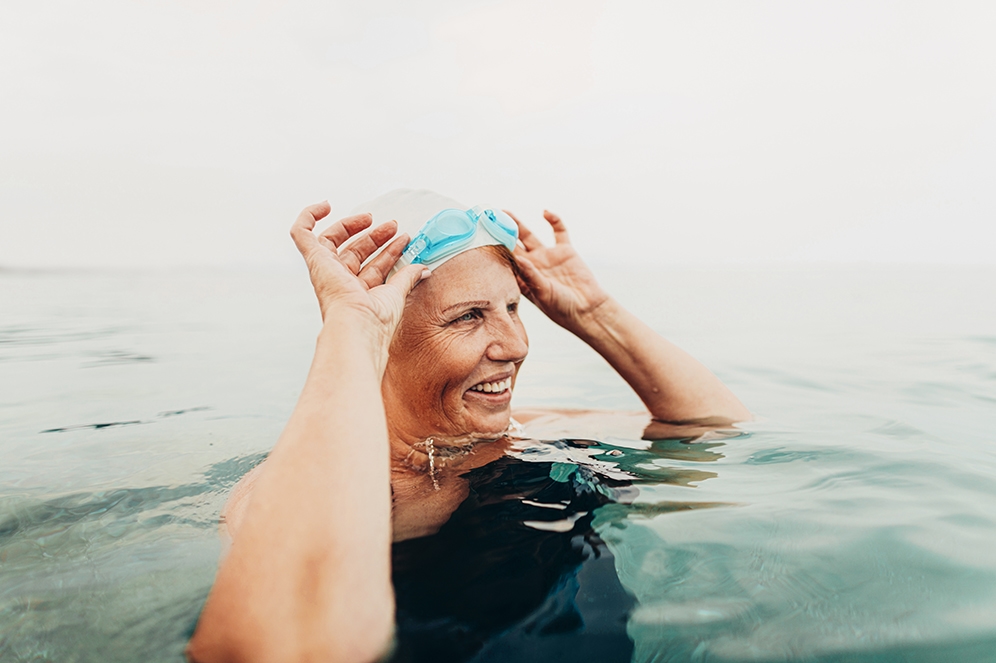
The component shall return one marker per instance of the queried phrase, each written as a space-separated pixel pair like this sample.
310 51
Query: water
854 520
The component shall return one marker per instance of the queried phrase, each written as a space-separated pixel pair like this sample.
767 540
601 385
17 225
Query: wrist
358 332
601 323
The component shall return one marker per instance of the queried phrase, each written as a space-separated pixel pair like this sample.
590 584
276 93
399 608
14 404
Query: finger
533 278
519 253
408 278
527 290
560 235
524 288
528 239
374 273
300 231
362 247
343 229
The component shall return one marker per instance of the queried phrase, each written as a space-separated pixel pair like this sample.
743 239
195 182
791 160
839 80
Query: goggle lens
452 223
503 228
450 230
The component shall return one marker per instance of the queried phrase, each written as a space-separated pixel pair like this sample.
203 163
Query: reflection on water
853 521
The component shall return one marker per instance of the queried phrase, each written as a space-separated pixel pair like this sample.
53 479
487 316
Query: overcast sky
192 132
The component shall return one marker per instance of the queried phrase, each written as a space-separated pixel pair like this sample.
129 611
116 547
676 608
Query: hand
336 274
555 278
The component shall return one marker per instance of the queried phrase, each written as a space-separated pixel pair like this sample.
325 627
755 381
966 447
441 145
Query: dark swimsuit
489 587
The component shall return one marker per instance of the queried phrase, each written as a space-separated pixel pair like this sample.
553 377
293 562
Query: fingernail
425 274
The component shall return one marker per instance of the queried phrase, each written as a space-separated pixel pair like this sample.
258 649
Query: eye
472 314
513 307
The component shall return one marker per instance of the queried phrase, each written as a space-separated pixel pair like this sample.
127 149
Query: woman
402 417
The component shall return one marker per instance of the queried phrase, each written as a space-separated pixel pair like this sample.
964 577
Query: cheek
456 361
432 366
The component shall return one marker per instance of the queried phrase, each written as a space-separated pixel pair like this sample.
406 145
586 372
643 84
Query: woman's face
457 351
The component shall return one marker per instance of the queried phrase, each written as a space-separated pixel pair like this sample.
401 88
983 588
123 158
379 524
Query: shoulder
554 423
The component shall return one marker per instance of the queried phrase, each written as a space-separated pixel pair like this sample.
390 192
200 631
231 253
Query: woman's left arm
673 385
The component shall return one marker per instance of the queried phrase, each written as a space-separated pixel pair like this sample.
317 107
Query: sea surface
853 520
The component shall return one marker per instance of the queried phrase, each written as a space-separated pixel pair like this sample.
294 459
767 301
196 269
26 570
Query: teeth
493 387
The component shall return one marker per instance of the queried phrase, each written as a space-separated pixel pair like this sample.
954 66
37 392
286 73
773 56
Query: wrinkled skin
460 328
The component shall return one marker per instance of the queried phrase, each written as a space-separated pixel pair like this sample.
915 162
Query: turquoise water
854 520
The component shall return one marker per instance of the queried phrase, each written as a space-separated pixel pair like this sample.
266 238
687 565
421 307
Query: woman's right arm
674 386
308 573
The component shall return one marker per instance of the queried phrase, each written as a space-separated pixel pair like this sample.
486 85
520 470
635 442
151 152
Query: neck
434 454
409 449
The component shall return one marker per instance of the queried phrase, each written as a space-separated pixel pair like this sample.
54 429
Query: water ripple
118 357
113 424
24 519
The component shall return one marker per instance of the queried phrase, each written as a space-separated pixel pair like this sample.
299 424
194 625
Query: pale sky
191 132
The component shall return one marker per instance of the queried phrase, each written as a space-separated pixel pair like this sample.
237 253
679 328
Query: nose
509 342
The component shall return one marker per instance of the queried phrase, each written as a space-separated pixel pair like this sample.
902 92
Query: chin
493 424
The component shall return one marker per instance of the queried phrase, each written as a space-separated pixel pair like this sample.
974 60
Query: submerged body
498 553
406 405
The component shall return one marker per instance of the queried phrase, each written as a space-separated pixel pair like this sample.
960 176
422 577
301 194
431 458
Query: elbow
215 642
365 638
354 639
199 650
369 647
362 649
206 647
357 638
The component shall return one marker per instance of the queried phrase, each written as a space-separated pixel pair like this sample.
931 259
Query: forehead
472 275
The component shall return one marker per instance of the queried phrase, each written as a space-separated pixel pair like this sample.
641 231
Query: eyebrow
473 304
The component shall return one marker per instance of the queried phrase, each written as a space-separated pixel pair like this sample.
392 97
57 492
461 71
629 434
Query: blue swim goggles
453 230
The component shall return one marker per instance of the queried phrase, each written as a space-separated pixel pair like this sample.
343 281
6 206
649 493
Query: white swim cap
411 208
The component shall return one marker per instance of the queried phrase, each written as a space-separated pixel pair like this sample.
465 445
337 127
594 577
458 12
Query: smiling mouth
493 387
